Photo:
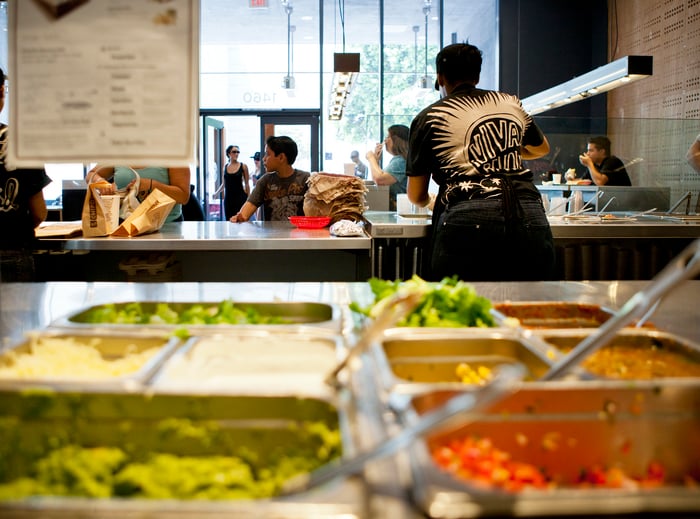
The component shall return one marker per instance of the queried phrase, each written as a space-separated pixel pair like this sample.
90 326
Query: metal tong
684 266
503 383
394 308
685 198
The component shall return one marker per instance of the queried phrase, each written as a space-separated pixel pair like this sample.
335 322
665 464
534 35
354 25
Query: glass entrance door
303 128
248 131
211 162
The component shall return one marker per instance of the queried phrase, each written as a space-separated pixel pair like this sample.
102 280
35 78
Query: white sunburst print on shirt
477 136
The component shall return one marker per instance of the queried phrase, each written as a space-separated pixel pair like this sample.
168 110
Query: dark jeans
473 241
16 266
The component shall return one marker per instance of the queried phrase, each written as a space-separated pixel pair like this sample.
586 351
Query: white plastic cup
403 204
556 178
558 205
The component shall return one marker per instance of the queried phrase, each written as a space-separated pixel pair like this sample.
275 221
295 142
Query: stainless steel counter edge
392 225
221 236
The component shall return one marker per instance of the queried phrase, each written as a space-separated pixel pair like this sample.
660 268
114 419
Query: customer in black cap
488 220
257 173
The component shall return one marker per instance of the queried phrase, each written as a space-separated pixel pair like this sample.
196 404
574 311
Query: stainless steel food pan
634 353
259 430
287 314
45 359
564 430
552 314
253 360
417 360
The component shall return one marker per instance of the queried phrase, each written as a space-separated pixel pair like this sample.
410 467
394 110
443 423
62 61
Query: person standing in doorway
258 169
234 183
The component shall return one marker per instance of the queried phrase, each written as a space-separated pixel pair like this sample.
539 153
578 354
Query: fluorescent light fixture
346 67
617 73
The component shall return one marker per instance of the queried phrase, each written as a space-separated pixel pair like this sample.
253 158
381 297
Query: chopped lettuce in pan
449 303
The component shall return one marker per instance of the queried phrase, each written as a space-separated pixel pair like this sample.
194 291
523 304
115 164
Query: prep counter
209 251
393 246
619 248
26 307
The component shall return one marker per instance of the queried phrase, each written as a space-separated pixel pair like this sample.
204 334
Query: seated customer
603 168
281 190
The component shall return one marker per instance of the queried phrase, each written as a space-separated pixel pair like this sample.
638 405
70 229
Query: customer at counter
693 154
281 190
174 182
488 220
394 176
22 209
603 168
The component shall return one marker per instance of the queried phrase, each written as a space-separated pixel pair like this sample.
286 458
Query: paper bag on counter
100 212
147 217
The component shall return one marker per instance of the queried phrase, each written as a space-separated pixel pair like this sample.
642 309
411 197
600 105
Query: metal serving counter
213 251
394 247
587 249
389 485
30 306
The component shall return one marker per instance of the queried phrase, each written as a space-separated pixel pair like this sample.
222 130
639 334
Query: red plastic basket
310 222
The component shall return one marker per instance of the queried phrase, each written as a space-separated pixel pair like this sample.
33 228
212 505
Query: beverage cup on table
556 178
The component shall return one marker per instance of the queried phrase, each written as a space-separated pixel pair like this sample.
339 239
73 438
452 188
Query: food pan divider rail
684 266
505 381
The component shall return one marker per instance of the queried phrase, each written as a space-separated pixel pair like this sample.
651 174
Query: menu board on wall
112 81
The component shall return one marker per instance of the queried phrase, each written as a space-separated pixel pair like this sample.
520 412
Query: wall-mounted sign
113 81
257 4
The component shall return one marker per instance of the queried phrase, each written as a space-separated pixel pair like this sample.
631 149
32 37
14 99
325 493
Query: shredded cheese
66 357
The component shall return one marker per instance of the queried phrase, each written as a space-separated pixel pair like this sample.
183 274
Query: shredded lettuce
449 303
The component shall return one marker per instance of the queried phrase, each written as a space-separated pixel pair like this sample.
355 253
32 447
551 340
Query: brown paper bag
100 212
147 217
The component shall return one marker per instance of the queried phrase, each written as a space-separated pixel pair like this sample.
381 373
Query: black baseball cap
256 156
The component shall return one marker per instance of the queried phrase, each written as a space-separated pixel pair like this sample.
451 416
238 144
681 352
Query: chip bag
100 215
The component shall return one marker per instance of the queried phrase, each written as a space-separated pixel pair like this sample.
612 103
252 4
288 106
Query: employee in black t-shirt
603 168
22 209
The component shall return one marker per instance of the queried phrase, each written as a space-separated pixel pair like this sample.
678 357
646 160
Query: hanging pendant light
346 66
425 81
614 74
288 80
